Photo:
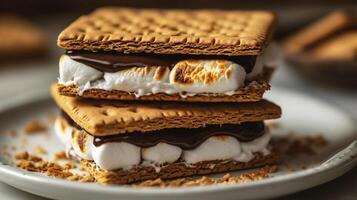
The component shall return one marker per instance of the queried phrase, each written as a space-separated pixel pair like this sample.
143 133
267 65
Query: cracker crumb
24 155
303 145
34 126
33 163
28 166
86 179
58 172
70 165
254 175
61 156
40 150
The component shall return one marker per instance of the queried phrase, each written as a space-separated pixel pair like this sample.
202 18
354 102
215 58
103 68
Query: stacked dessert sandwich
148 94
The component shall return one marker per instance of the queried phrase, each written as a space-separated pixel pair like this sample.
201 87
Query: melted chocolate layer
114 61
184 138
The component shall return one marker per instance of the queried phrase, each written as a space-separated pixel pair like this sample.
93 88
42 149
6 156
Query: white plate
301 115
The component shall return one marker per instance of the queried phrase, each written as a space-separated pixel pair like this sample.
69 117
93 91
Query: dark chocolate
114 61
184 138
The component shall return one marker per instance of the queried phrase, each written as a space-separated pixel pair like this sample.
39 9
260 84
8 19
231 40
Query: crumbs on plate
34 163
34 126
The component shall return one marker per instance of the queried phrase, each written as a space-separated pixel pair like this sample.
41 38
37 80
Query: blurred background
317 39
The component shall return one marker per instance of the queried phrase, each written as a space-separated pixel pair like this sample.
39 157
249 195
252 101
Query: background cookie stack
151 94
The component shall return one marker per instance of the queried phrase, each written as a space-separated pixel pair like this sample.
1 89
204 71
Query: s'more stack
148 94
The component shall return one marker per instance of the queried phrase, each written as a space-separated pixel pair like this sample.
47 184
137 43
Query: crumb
58 172
299 147
254 175
61 156
86 178
293 145
40 150
34 126
34 158
34 163
28 166
70 165
73 177
24 155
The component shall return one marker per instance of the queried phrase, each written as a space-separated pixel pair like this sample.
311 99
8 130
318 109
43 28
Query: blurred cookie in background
326 50
20 39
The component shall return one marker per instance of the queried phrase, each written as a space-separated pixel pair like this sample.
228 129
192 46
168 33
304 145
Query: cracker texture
174 170
206 32
101 118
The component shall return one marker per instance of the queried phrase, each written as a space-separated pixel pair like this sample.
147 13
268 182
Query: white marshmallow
208 76
258 145
82 144
73 72
214 148
162 153
116 155
63 131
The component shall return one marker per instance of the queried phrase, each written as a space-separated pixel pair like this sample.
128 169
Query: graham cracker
319 30
174 170
206 32
19 38
101 118
252 91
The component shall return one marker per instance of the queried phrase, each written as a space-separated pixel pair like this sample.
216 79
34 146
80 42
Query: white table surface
18 78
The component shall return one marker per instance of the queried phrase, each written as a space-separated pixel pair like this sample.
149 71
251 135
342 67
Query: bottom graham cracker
174 170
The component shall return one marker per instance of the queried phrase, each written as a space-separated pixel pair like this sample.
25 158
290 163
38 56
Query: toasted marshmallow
82 144
116 155
258 145
200 76
214 148
141 80
162 153
73 72
211 76
63 131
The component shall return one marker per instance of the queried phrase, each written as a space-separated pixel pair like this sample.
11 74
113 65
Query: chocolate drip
184 138
114 61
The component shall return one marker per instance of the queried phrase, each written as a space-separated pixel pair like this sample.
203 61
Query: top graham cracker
206 32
